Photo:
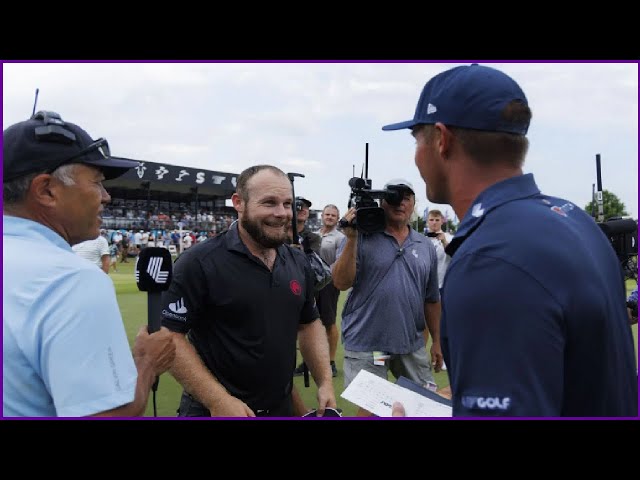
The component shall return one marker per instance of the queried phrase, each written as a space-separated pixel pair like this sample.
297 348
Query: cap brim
400 126
113 167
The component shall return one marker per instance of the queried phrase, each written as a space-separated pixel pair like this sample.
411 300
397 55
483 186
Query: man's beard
253 228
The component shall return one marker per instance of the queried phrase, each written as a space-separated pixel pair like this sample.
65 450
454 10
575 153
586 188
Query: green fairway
133 305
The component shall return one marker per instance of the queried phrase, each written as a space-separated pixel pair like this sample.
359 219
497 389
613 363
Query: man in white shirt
96 251
440 240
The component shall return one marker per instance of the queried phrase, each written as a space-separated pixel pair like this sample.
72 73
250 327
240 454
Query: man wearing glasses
65 350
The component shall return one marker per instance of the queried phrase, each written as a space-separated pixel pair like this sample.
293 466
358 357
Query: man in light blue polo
394 303
65 350
533 303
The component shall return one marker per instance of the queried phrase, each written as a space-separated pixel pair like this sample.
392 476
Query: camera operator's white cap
400 182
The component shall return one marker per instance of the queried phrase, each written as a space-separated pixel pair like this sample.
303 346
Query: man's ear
238 203
44 190
444 139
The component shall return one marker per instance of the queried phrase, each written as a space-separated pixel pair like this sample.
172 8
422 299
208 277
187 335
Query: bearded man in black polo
237 304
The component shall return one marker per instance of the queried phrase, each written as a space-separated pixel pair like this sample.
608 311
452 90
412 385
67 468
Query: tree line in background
612 206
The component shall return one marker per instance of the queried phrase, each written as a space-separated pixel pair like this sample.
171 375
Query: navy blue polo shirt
241 317
534 320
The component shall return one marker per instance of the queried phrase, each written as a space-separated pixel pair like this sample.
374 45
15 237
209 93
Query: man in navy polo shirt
533 304
243 298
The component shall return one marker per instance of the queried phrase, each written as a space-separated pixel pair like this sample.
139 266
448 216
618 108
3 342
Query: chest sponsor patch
295 287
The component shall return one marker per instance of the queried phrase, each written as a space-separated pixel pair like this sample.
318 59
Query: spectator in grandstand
242 298
532 324
96 251
395 301
65 350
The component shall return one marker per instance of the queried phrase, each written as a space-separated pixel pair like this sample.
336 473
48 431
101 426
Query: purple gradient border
637 62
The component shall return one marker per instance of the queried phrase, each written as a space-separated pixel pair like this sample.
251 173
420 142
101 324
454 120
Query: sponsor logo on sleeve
486 403
177 311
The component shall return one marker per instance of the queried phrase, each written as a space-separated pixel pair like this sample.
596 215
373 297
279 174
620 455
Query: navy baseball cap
470 96
46 142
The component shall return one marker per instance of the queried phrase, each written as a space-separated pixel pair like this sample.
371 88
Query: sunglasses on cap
101 145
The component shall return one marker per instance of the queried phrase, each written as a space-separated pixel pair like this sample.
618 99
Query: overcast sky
315 118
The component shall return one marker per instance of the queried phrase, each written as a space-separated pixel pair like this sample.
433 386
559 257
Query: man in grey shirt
395 288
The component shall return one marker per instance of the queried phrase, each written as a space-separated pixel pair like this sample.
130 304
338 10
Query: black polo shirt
242 318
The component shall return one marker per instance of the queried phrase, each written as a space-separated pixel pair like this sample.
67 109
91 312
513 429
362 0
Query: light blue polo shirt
65 350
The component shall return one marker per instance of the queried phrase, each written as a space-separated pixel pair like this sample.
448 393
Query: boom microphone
153 271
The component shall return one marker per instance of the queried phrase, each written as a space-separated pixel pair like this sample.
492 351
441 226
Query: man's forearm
106 262
189 370
432 312
312 338
146 378
344 270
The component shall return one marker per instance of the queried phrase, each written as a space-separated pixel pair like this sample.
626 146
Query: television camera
621 232
369 214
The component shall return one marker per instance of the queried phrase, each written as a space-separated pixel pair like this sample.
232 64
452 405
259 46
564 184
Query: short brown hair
248 173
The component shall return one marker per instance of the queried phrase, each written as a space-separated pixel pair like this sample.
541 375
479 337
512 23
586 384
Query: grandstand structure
161 197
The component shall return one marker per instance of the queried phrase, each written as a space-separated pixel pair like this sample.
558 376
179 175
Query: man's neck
468 180
399 231
28 214
327 229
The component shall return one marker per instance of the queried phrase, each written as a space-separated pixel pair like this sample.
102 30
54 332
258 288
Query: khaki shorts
415 366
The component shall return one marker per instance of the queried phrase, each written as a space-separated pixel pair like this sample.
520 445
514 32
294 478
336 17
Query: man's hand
326 398
350 231
230 406
157 349
436 357
397 410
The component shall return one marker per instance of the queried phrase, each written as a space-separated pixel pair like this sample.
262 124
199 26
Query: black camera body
370 216
623 235
432 234
633 306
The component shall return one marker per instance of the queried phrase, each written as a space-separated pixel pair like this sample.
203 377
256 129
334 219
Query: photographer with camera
394 277
532 324
440 241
